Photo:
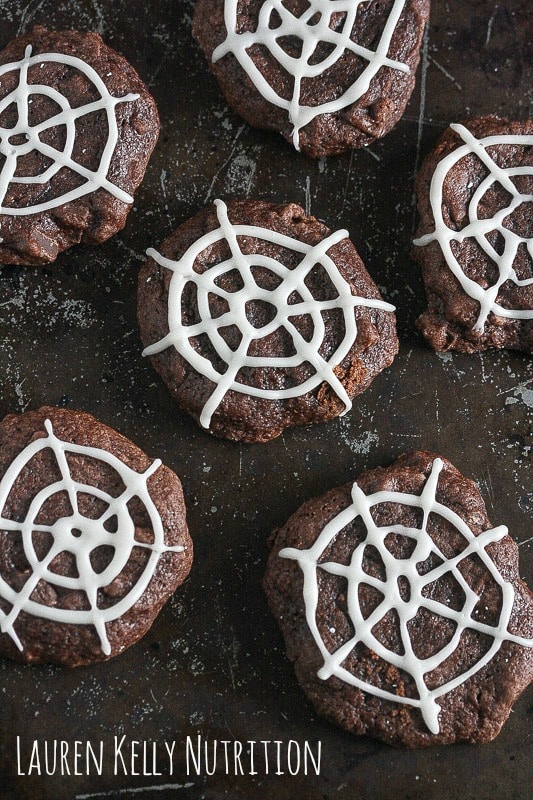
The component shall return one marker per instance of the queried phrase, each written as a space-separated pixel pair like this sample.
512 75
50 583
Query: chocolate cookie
402 608
327 76
475 240
77 127
257 318
93 538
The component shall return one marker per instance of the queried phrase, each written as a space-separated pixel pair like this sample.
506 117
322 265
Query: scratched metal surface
213 664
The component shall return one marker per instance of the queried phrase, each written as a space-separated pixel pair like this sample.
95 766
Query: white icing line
66 118
180 334
361 506
478 229
312 28
79 536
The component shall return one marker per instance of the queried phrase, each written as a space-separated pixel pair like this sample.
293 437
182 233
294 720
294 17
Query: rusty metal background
213 664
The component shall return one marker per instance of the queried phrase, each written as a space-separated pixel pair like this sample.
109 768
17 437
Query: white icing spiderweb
290 282
77 536
481 229
313 27
404 570
19 140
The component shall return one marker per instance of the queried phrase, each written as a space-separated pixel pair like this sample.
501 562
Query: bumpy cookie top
476 236
77 126
263 307
328 75
410 605
92 538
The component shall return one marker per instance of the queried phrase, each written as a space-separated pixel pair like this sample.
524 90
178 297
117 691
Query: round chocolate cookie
77 127
475 245
93 538
327 76
402 608
257 318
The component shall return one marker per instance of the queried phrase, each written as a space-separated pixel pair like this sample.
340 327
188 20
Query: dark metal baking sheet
213 664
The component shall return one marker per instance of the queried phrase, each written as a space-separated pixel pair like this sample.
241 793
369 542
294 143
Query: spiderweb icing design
281 298
392 600
313 27
480 228
25 137
77 535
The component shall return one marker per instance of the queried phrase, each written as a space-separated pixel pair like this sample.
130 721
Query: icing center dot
79 533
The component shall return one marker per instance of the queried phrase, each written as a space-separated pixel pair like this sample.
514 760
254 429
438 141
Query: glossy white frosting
311 28
24 137
78 536
291 281
478 228
406 569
